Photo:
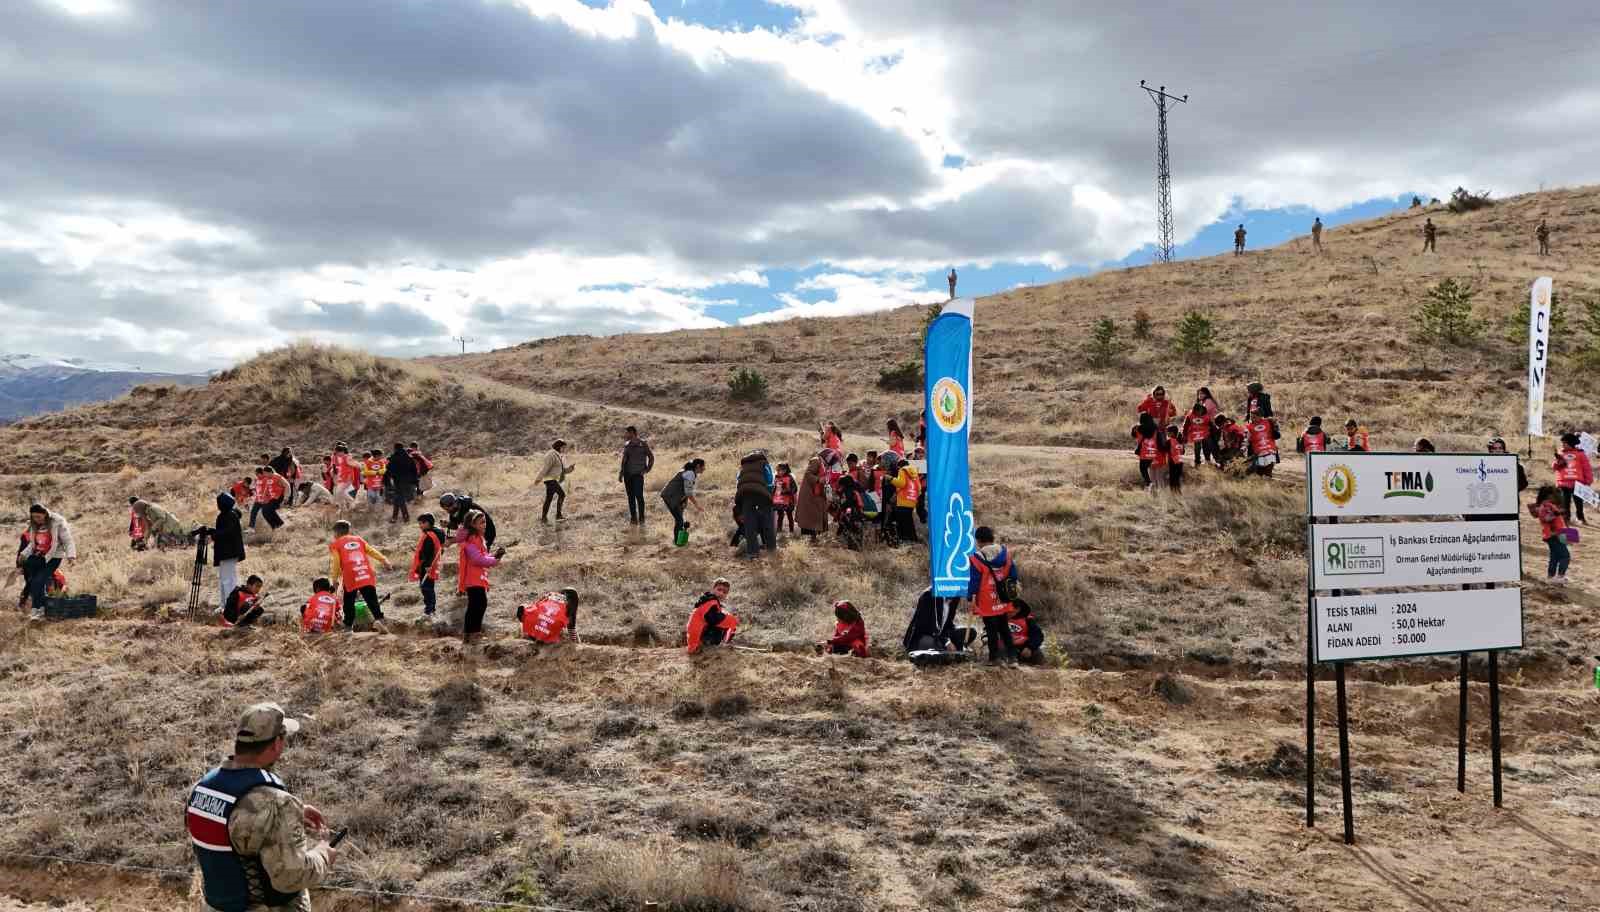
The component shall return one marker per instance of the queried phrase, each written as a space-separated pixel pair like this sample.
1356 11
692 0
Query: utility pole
1163 169
463 340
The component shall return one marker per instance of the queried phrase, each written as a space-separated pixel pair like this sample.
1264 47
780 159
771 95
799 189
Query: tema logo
949 405
1408 484
1338 484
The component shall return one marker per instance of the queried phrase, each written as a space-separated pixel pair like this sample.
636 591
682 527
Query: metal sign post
1402 586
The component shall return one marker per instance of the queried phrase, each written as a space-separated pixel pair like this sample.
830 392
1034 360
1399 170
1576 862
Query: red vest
858 646
1147 448
372 474
354 565
987 603
545 619
42 540
913 488
1176 447
1019 631
1357 441
320 614
897 443
784 495
1197 430
240 492
1566 470
432 571
697 623
266 489
471 576
1315 443
246 602
136 527
1261 441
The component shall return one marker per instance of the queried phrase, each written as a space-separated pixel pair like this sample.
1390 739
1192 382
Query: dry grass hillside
1154 763
1329 335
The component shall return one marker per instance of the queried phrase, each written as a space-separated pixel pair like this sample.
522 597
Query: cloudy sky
184 183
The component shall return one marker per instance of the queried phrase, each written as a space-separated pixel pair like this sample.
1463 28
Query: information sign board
1388 625
1409 484
1383 555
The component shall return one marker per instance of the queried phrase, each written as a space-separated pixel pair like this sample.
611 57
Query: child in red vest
1572 468
1147 445
554 614
1174 459
849 632
137 530
320 613
783 495
426 560
1546 508
350 561
1197 430
1314 439
1027 637
473 572
992 572
710 624
243 607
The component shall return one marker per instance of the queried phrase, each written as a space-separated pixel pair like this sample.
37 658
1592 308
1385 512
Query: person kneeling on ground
933 626
710 624
243 607
991 587
1027 637
554 614
320 613
849 632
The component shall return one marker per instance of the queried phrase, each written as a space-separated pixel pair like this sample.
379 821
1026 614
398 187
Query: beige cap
265 722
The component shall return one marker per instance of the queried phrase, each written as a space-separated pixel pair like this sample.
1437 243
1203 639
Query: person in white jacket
554 474
49 543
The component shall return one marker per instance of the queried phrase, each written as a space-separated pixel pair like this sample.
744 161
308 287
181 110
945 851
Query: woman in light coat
554 474
49 543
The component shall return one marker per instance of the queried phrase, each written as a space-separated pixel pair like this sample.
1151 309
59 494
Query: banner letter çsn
947 395
1538 354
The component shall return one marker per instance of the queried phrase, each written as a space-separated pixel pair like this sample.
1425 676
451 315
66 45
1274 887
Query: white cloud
851 294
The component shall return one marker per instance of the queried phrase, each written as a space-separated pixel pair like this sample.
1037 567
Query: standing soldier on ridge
1316 235
1429 233
1238 241
951 278
248 832
1543 234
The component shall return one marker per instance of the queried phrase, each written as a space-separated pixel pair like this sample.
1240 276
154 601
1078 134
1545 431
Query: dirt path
1290 467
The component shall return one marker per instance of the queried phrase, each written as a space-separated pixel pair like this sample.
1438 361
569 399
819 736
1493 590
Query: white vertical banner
1538 354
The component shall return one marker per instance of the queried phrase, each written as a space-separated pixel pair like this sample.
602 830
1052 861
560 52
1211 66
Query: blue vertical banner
947 380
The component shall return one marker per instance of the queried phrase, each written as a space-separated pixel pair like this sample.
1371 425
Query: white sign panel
1586 494
1350 627
1588 444
1410 484
1388 555
1538 353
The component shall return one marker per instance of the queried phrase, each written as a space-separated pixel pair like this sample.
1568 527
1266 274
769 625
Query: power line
1163 170
463 340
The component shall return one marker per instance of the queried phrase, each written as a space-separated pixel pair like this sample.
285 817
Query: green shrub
1104 347
934 310
1445 317
905 378
1196 335
747 385
1516 325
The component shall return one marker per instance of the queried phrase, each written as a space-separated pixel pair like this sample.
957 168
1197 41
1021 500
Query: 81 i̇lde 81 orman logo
949 405
1338 484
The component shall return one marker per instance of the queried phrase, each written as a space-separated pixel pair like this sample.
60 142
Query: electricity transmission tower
463 340
1163 169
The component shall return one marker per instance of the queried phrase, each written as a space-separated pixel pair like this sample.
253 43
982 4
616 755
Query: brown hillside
1330 335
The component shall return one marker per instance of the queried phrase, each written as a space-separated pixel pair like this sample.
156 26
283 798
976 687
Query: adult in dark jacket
227 545
1258 400
753 496
457 506
400 478
637 461
933 626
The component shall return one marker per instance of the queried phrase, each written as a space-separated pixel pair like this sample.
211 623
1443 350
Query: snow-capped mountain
31 385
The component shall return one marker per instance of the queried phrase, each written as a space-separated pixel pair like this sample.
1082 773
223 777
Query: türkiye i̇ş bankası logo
1408 484
1338 484
949 405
